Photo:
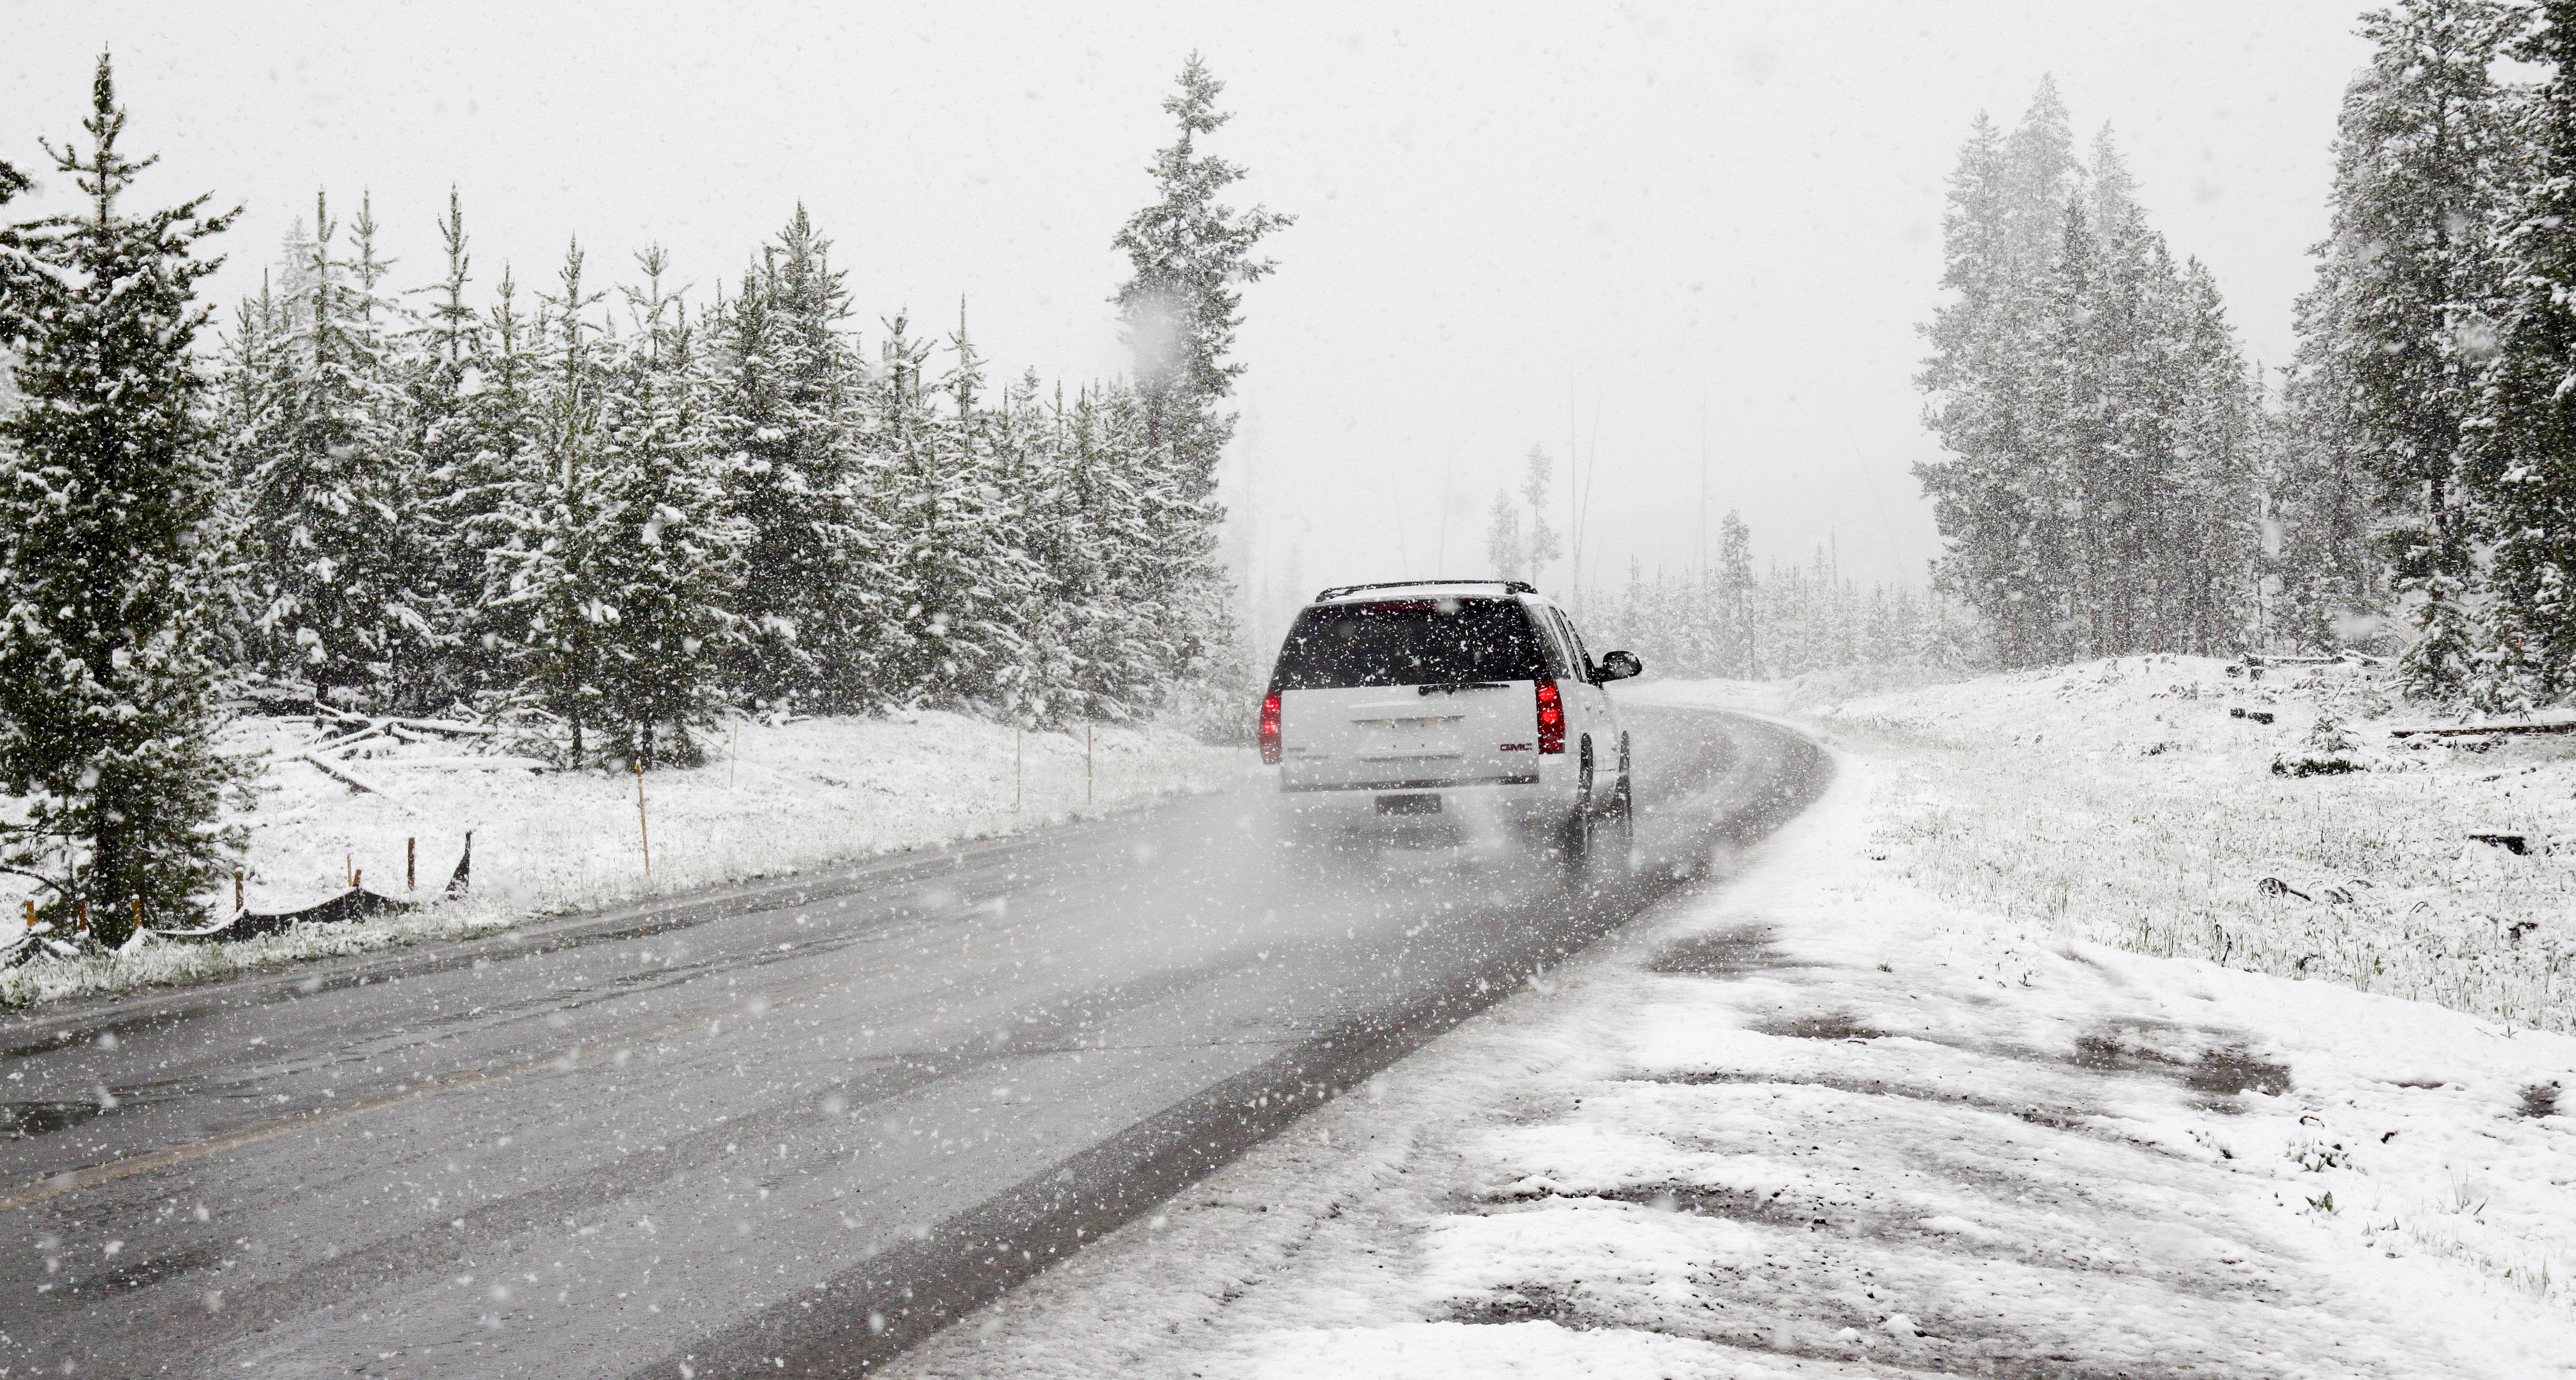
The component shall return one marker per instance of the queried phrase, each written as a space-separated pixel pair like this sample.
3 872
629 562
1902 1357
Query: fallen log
343 775
494 762
2476 730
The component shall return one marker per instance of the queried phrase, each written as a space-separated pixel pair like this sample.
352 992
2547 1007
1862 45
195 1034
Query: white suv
1451 711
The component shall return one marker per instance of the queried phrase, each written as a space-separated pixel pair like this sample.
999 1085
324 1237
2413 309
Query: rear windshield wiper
1452 687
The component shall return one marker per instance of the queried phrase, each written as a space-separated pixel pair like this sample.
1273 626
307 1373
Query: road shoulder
1816 1122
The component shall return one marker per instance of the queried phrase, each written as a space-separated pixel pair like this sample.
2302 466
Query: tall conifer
2523 457
107 502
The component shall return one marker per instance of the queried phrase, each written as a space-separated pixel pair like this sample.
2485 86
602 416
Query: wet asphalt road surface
781 1129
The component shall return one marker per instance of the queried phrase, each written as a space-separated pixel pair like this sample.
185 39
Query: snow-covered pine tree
2123 480
2324 503
1506 546
1519 544
12 264
2398 327
663 567
787 412
108 701
1103 646
2054 489
462 473
2168 510
550 568
2210 538
1994 496
247 369
1732 585
968 584
333 473
490 464
2525 428
1189 252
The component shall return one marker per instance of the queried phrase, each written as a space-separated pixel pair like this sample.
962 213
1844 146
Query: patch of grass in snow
170 963
2121 802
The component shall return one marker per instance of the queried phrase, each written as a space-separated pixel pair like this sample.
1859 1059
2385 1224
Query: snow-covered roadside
2135 802
1818 1122
774 799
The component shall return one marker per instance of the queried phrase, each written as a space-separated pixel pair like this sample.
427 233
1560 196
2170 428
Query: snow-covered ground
774 799
1902 1099
2128 802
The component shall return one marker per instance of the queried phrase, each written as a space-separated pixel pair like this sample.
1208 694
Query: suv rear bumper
1465 809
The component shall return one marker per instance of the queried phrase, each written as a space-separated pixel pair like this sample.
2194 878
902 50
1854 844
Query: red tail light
1551 718
1270 731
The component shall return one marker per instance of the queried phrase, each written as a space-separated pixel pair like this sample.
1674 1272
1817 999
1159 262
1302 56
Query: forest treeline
2113 479
1732 619
2427 445
2098 495
580 498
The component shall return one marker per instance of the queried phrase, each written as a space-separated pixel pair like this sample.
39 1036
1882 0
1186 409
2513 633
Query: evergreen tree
561 523
1994 496
333 474
786 410
489 465
108 703
2398 326
467 461
963 578
1518 548
1730 604
2097 492
664 565
2525 431
12 265
1102 644
1189 253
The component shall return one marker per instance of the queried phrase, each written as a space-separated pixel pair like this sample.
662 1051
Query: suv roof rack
1337 591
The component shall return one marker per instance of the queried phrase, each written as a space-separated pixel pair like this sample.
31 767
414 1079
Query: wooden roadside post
411 864
138 913
237 889
643 826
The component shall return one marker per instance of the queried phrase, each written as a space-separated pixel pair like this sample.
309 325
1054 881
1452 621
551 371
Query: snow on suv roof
1427 589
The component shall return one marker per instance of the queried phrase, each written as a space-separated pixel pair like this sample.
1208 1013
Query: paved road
777 1130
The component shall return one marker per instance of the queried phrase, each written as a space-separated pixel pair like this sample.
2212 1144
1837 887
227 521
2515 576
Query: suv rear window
1409 642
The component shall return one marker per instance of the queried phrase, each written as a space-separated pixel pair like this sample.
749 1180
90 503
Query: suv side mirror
1618 666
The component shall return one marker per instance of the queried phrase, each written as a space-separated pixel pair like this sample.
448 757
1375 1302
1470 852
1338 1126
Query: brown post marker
84 915
138 913
348 869
31 915
643 826
237 889
357 878
411 864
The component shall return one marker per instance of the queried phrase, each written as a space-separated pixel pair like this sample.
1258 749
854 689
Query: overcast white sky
1614 226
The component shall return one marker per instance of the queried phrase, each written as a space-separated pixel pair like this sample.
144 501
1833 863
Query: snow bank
775 799
1822 1122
